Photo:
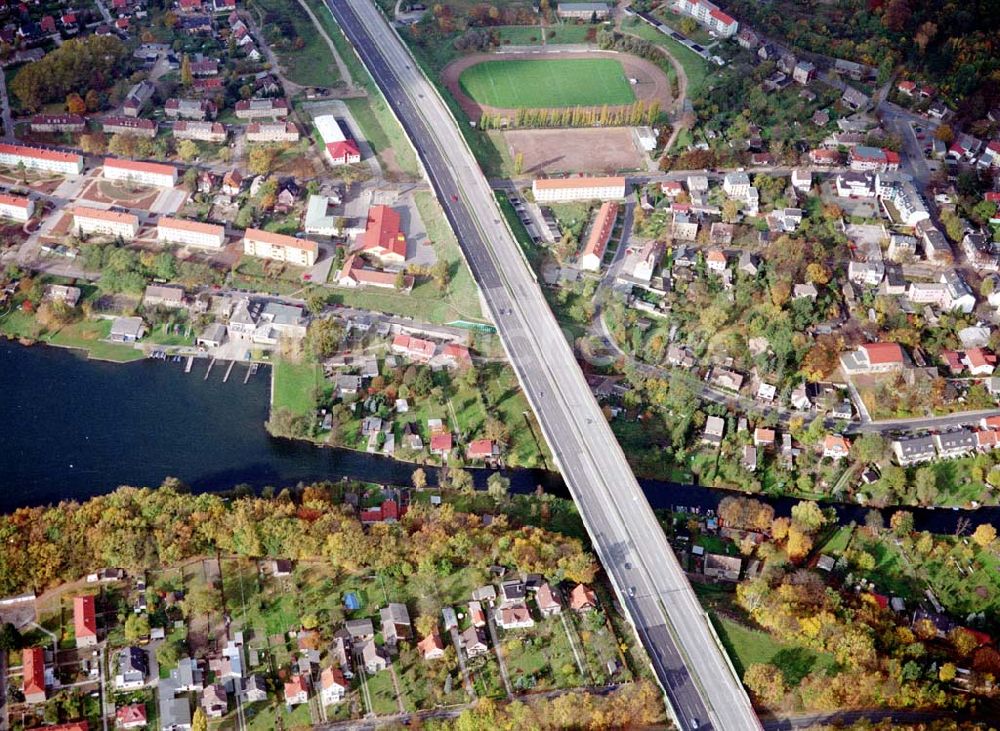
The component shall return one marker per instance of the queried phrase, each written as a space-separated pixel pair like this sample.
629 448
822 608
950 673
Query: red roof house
480 449
131 716
582 598
441 443
84 621
388 512
382 236
33 660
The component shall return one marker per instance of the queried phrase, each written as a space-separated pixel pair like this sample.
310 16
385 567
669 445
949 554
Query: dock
251 369
190 362
228 371
209 368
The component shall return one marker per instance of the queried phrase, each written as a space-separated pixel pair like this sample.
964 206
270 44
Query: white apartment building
146 173
736 185
272 132
203 131
190 233
267 245
710 16
553 190
38 158
88 220
16 207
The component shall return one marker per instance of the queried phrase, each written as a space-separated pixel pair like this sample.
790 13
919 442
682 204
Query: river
73 428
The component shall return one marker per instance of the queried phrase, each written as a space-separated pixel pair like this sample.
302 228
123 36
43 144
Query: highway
700 684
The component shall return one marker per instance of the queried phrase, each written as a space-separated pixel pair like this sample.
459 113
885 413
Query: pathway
572 643
395 688
466 680
496 648
342 69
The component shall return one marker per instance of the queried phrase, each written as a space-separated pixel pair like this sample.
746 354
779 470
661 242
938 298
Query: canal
73 428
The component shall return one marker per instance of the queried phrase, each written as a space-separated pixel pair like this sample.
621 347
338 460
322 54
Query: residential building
383 238
683 227
395 621
57 123
340 150
548 603
320 221
914 450
215 701
909 206
296 691
189 109
709 15
261 108
88 221
749 459
582 598
955 443
600 234
804 72
160 295
267 245
253 689
553 190
874 358
871 159
937 250
958 293
473 641
373 660
38 158
981 251
715 260
724 568
137 98
187 676
642 261
180 231
232 183
854 99
736 185
802 180
354 273
333 686
145 173
413 348
202 131
360 629
836 447
16 207
272 132
431 647
583 11
69 296
697 184
131 716
133 667
130 126
901 247
84 621
763 437
515 616
33 675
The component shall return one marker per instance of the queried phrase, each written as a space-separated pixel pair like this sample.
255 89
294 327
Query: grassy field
302 52
747 646
549 83
294 386
695 66
531 35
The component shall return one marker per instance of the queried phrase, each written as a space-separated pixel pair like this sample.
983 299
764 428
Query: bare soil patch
553 151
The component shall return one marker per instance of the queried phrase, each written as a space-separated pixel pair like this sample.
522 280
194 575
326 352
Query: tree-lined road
700 684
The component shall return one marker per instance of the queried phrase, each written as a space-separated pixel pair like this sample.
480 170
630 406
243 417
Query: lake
73 428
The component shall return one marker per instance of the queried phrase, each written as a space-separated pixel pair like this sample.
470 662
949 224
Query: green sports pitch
547 83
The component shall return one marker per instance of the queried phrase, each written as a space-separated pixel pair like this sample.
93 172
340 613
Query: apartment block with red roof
129 125
578 188
258 108
383 237
597 239
272 132
190 233
267 245
39 158
88 220
16 207
146 173
33 686
709 15
85 620
57 123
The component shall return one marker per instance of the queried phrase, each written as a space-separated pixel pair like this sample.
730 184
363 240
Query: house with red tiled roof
597 239
33 684
413 348
296 691
480 449
515 616
354 273
582 598
131 716
980 362
431 647
547 602
388 512
334 686
441 444
455 355
383 238
874 358
836 447
84 621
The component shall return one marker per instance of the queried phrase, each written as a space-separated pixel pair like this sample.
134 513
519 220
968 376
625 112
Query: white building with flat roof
554 190
190 233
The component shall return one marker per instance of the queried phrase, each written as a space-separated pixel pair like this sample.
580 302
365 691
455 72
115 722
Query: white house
88 220
37 158
551 190
16 207
147 173
267 245
190 233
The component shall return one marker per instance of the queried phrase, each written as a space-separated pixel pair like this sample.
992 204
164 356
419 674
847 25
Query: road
5 115
697 678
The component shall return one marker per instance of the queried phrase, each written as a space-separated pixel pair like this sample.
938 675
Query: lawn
747 646
294 386
382 693
541 658
548 83
88 335
695 66
302 52
531 35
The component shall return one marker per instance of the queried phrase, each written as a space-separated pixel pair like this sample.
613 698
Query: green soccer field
547 83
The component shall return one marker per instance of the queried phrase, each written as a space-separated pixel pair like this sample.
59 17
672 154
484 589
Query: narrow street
495 639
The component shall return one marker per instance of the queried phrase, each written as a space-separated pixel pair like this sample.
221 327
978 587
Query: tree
136 627
984 535
92 100
187 77
518 163
199 721
75 104
94 143
945 133
419 478
947 672
808 516
901 523
323 337
10 638
187 150
868 448
441 274
316 300
460 480
497 486
261 159
817 273
766 682
799 542
426 624
925 485
730 210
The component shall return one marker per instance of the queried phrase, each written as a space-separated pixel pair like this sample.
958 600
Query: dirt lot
103 191
574 150
651 81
